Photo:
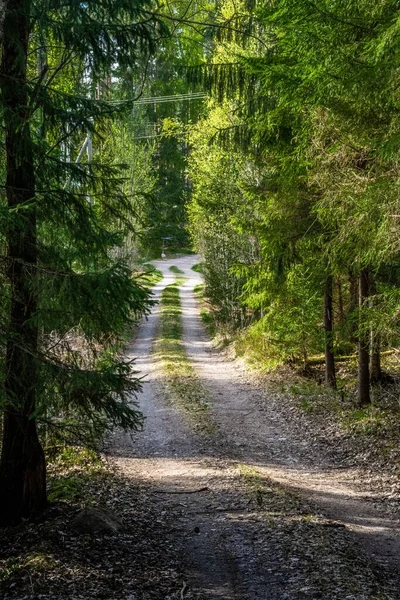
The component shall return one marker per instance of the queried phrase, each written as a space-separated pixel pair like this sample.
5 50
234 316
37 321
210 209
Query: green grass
208 321
254 481
183 383
176 270
199 291
206 315
255 349
180 281
149 275
199 268
70 470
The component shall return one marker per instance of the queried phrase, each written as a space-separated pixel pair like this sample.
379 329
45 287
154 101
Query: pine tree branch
218 26
335 17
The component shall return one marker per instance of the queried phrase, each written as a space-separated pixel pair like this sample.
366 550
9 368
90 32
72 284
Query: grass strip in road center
176 270
183 383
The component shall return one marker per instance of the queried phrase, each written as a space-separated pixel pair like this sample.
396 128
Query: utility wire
174 98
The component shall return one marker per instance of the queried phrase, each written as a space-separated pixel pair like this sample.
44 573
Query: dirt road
257 510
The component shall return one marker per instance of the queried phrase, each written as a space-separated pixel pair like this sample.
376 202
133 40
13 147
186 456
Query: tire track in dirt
260 432
235 541
168 459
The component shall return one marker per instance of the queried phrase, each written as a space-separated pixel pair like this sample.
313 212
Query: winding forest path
258 509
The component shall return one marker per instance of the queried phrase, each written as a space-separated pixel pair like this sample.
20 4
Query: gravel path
258 509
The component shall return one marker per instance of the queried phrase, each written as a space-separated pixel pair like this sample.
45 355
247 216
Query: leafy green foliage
150 275
168 122
299 162
68 218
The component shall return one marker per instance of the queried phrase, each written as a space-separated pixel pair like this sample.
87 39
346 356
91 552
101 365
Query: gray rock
94 520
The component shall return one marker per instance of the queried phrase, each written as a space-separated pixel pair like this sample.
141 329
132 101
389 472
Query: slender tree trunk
353 289
375 358
364 397
340 300
3 6
330 375
375 353
22 465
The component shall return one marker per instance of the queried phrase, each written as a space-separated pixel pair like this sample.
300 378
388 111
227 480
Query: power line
148 137
173 98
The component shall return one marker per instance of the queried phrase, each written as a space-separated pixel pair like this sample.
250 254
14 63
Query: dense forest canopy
300 234
285 178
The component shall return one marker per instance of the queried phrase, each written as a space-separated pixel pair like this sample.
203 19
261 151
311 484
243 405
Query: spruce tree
312 92
67 300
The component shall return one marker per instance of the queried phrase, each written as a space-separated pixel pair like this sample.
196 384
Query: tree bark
364 397
3 6
340 300
353 305
22 465
375 350
330 374
375 359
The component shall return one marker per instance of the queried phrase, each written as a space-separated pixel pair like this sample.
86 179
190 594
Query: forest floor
263 506
230 492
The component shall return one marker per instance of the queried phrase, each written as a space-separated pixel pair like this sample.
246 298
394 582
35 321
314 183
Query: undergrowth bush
71 468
